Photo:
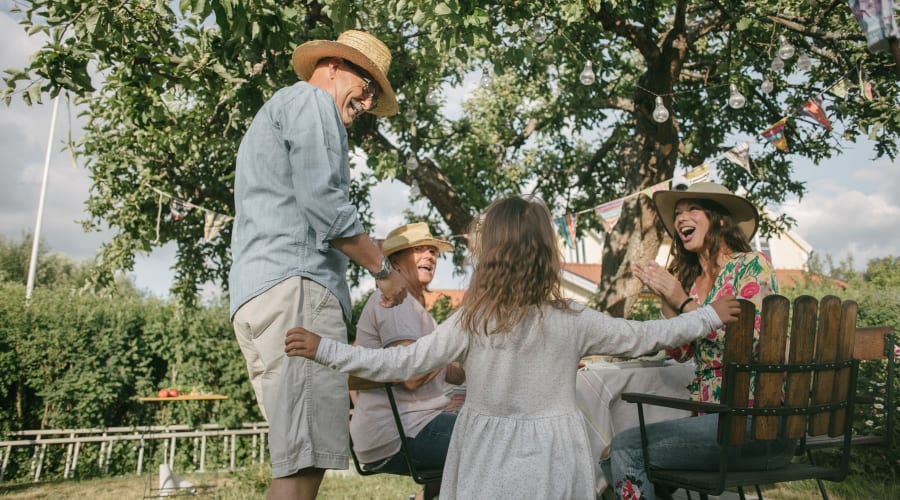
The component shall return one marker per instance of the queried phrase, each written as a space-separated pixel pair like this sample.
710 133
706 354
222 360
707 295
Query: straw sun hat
742 211
412 235
360 48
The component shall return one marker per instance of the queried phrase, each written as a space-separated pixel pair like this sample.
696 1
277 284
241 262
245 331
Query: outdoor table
598 388
169 483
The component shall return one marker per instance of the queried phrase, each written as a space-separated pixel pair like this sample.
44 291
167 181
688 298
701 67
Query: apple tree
492 102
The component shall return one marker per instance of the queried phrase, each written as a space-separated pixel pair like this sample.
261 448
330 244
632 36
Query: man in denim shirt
294 233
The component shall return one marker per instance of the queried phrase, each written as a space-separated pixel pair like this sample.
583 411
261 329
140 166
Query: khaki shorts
305 403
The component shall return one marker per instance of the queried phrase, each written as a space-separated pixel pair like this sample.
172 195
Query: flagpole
32 264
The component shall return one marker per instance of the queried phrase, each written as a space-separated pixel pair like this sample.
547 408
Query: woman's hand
301 342
662 284
728 308
658 280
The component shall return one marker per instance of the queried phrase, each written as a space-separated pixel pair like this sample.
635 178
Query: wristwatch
386 269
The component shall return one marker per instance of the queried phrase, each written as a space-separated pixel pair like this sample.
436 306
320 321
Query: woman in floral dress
711 257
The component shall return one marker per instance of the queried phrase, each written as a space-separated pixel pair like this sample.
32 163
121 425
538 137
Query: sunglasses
369 85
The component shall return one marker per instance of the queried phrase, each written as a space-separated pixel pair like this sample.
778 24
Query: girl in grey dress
520 434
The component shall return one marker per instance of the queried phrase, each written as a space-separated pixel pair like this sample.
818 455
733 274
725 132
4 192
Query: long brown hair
723 233
518 265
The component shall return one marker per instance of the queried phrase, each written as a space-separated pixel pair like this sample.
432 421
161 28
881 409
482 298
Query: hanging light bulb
777 64
587 74
412 163
785 50
410 114
433 98
736 100
485 76
803 62
537 31
766 87
660 113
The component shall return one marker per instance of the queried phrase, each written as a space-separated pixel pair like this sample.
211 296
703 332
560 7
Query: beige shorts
306 404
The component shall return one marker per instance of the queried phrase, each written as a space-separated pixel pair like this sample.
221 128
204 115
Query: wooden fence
73 441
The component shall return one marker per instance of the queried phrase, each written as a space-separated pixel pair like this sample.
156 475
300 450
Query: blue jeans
686 444
427 450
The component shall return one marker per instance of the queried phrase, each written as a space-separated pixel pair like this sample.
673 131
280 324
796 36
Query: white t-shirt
372 426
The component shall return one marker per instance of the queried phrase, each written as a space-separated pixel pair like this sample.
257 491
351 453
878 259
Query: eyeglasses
369 85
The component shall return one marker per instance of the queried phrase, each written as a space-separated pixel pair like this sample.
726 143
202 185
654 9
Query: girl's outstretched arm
396 364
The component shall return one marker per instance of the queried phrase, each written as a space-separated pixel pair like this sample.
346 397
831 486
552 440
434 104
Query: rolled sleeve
321 170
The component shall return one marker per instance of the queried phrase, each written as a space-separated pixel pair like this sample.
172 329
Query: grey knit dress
520 434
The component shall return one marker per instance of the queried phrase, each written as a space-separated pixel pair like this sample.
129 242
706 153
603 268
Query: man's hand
393 289
728 308
301 342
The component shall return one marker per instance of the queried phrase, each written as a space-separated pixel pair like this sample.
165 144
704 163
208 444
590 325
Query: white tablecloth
600 384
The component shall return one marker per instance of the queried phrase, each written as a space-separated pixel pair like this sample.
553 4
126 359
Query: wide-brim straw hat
412 235
360 48
742 211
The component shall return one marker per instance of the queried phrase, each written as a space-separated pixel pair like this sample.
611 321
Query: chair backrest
876 343
809 385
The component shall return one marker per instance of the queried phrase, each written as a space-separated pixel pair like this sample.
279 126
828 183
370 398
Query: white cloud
855 211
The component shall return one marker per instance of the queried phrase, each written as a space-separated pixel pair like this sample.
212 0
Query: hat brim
742 211
441 245
307 55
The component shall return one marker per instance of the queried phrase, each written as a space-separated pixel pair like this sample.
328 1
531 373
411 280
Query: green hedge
75 360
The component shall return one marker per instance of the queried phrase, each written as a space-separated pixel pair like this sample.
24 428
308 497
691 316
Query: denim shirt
291 197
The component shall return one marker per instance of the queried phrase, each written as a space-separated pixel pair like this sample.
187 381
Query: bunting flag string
213 222
815 108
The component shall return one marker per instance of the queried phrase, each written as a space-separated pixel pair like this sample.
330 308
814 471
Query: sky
852 204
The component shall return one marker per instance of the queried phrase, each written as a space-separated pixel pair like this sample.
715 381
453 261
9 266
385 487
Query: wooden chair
871 345
808 392
425 477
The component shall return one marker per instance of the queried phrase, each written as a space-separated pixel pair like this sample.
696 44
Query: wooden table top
186 397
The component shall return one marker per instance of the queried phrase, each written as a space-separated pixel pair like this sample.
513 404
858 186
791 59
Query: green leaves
179 89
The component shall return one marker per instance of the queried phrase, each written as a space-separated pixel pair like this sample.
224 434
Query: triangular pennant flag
865 86
815 108
775 135
609 213
740 155
840 88
698 174
571 221
662 186
178 209
564 231
212 224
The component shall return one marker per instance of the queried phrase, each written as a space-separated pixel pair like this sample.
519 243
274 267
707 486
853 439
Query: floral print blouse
746 275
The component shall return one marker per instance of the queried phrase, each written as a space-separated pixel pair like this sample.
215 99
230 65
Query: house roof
432 296
589 272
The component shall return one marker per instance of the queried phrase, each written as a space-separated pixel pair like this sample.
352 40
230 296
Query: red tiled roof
590 272
433 296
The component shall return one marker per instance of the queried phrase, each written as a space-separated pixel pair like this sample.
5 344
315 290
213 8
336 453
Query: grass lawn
251 484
